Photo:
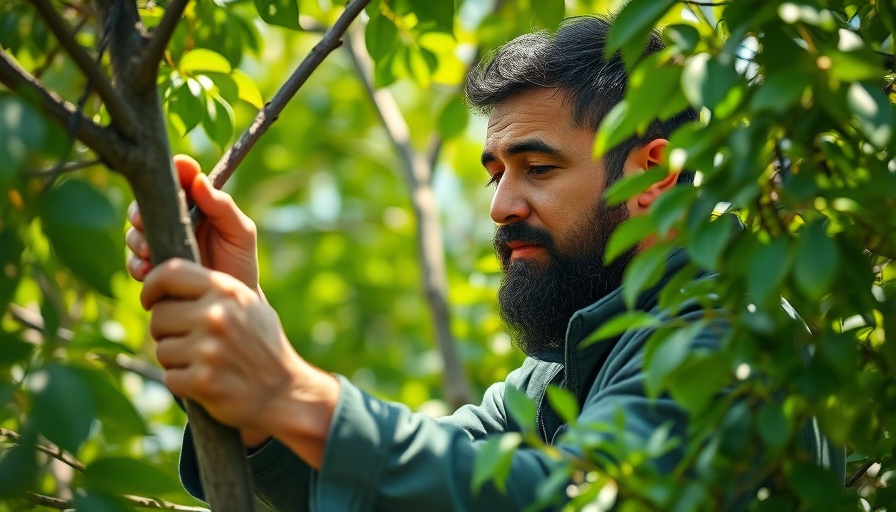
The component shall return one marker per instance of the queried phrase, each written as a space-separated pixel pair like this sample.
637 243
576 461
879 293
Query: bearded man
319 443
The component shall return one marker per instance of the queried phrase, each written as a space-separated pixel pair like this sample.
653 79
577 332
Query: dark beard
536 300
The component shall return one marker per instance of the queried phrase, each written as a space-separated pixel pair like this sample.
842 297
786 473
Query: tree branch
859 473
121 115
52 450
418 171
266 116
64 168
57 453
56 503
26 86
154 51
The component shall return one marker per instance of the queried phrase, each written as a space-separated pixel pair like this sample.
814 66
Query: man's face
552 226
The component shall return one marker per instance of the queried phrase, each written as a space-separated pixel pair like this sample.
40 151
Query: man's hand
226 239
223 346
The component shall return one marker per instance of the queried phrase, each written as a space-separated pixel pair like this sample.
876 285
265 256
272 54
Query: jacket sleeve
381 456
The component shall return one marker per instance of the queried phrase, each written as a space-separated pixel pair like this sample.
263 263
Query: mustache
520 232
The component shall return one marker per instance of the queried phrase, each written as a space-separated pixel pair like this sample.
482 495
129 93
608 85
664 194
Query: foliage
796 140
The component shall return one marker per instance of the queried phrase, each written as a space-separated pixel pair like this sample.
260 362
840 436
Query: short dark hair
573 61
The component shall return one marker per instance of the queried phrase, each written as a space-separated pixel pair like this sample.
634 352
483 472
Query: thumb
187 170
219 208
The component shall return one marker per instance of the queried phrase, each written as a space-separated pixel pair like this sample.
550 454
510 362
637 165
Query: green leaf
817 261
494 459
113 408
186 106
63 407
773 426
683 36
18 466
706 82
626 188
201 60
873 112
654 93
283 13
816 485
563 403
93 501
767 268
22 131
619 324
10 262
381 37
709 240
697 382
671 206
633 23
436 16
453 118
549 12
643 272
520 407
665 351
417 66
247 89
614 128
13 350
85 232
627 235
122 475
219 120
780 91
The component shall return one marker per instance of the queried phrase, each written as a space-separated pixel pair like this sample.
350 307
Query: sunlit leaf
564 403
203 60
494 459
621 323
521 408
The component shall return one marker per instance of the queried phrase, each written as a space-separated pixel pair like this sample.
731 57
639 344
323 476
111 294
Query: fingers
175 278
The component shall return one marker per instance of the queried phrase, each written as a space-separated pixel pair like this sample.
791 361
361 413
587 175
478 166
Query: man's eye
494 179
540 169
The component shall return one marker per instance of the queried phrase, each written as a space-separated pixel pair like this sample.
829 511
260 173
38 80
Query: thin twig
26 86
48 59
56 503
267 115
64 168
34 321
859 473
121 115
50 449
705 4
57 453
136 366
155 49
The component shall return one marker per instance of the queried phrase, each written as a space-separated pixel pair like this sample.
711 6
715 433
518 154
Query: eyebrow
523 146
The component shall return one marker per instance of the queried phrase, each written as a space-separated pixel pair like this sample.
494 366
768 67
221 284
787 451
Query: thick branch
266 116
121 115
155 49
97 138
418 171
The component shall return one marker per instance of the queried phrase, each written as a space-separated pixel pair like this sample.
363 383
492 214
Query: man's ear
640 160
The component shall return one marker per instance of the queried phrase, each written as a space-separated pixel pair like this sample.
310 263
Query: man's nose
510 203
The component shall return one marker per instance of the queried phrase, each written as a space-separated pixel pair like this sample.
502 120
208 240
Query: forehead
542 114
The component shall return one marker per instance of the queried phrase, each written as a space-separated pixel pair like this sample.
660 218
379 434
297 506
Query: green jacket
382 456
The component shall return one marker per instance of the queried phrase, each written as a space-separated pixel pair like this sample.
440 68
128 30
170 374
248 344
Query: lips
521 249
